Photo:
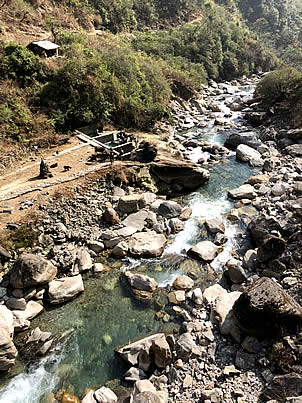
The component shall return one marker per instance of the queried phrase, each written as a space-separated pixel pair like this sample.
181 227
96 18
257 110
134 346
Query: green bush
279 85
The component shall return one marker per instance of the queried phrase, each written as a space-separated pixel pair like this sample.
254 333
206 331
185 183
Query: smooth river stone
64 289
147 244
205 250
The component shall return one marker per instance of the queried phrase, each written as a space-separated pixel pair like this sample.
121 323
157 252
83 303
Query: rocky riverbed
236 341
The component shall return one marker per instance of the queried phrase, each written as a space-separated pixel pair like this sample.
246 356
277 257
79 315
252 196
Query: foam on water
29 387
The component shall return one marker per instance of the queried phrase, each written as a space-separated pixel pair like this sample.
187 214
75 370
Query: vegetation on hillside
278 24
126 75
283 89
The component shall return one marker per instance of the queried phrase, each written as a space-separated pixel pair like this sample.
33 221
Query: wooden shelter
44 48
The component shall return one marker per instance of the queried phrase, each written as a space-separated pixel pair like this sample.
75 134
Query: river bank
74 236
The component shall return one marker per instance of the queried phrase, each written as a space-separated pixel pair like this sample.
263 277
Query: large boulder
169 209
131 203
141 286
243 192
141 281
284 386
183 283
162 352
82 261
248 138
262 227
30 270
64 289
205 250
147 244
294 150
179 173
271 248
264 308
136 220
215 225
245 153
131 353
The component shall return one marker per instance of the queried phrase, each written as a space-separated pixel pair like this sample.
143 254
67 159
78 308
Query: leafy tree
20 64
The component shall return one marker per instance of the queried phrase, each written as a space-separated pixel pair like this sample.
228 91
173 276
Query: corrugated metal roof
47 45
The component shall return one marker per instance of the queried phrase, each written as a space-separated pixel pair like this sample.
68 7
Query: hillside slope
144 51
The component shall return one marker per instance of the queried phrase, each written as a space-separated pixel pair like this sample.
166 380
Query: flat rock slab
243 192
65 289
147 244
184 174
205 250
136 220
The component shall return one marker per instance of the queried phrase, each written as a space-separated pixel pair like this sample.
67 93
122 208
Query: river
105 316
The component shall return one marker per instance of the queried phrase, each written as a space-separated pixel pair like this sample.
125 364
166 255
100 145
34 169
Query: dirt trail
22 183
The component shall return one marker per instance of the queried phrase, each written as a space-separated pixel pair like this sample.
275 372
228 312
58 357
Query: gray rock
6 319
245 360
82 261
31 270
96 246
183 283
205 250
64 289
126 232
120 250
136 220
141 281
169 209
215 225
245 153
162 353
197 296
105 395
131 352
185 346
235 271
250 259
16 303
248 138
177 297
131 203
32 310
134 374
176 225
283 386
8 351
147 244
243 192
222 313
264 307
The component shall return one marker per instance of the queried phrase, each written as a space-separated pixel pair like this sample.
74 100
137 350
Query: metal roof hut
44 48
